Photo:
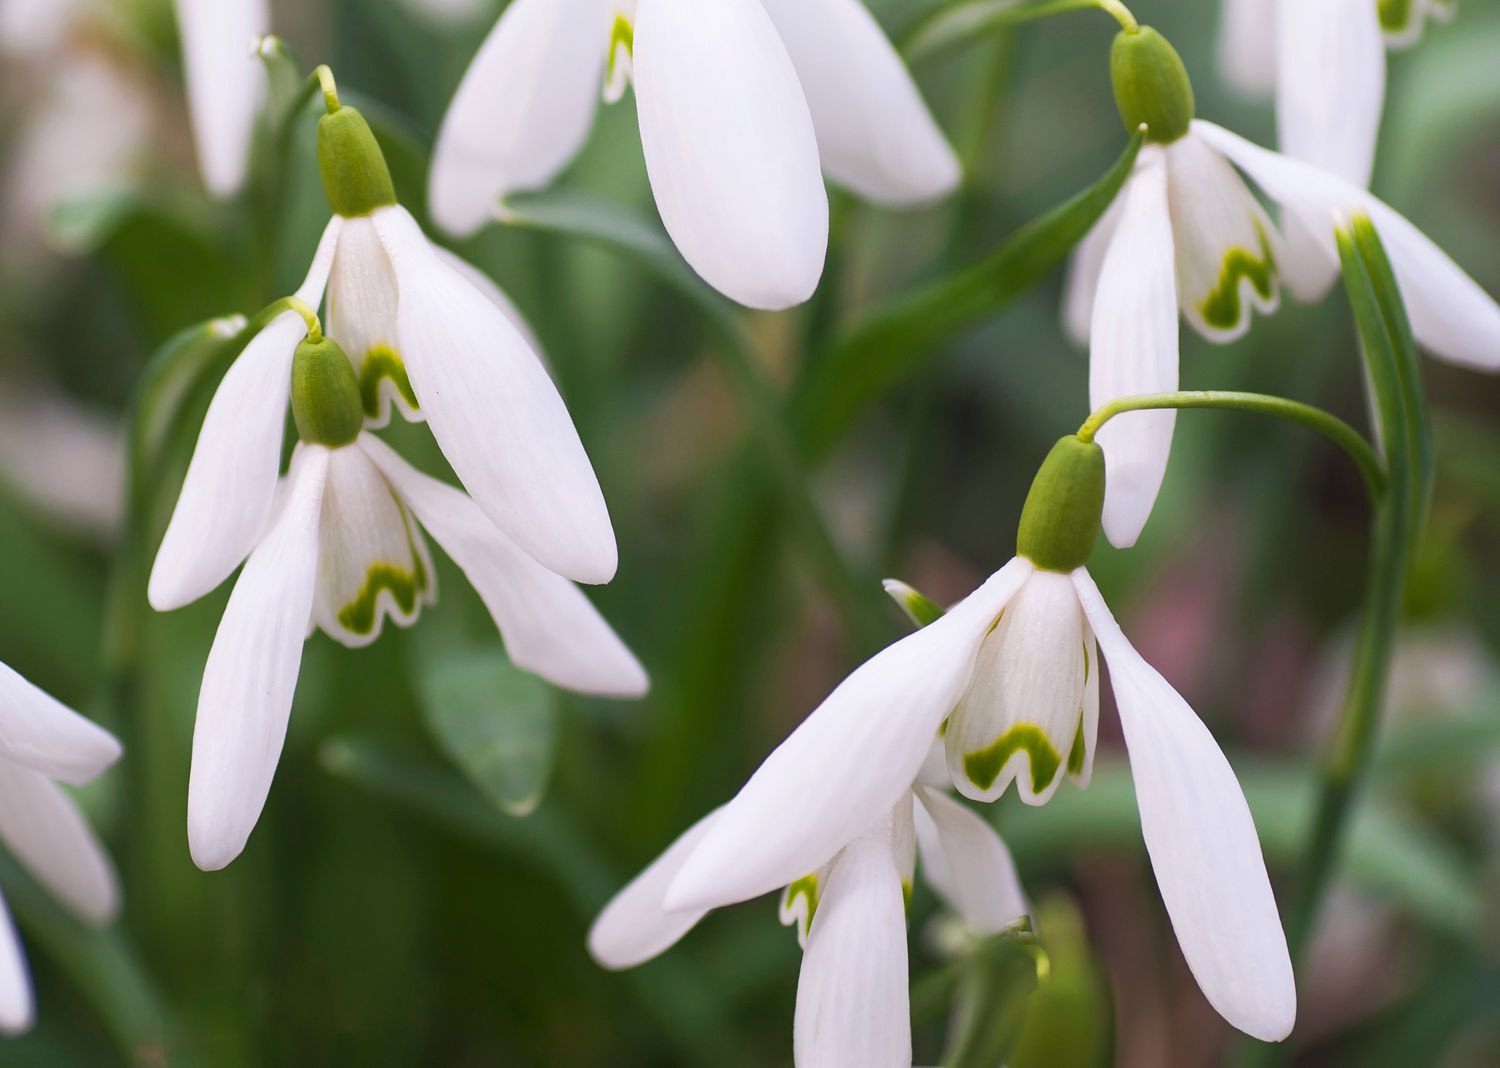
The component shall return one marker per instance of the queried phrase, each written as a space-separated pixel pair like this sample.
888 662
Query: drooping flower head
225 84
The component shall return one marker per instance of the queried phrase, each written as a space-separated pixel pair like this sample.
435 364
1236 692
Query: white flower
344 550
1325 62
860 750
850 916
739 101
41 741
225 84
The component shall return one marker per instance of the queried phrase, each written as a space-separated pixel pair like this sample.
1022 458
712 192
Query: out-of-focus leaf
497 723
1068 1022
898 341
1388 852
995 987
1451 744
285 80
82 224
968 20
1453 1008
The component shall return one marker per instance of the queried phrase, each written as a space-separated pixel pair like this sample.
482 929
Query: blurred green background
389 911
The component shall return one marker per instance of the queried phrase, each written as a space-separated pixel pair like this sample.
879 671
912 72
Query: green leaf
497 723
898 342
966 21
995 987
1388 852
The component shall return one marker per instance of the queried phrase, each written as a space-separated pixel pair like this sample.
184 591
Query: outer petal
231 482
251 673
522 111
1083 273
1133 349
1202 841
852 1001
730 148
43 827
856 754
549 626
495 295
496 414
967 863
17 1002
875 133
225 83
1247 46
635 926
1330 80
41 733
1450 314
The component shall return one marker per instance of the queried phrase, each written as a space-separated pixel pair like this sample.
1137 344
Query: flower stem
1328 425
1121 13
324 75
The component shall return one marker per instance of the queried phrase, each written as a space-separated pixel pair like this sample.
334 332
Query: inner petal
1023 718
362 298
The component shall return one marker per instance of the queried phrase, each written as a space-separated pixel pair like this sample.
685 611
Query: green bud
1151 85
325 394
1060 520
355 177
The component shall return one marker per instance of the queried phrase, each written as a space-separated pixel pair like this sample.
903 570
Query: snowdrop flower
225 84
341 551
1325 62
850 915
1013 672
43 742
740 103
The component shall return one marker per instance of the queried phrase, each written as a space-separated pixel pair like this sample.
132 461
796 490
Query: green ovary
1396 15
382 364
359 615
1223 308
983 766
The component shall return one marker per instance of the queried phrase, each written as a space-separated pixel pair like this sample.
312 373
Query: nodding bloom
1325 64
1187 237
42 742
1012 671
342 550
740 102
225 84
850 916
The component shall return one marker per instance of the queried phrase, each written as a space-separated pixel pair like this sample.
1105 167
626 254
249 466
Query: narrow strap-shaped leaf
965 21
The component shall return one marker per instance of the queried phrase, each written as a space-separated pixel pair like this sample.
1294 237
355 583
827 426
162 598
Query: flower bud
326 404
1060 520
355 177
1151 85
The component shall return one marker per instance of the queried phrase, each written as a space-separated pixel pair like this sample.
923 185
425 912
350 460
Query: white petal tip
213 850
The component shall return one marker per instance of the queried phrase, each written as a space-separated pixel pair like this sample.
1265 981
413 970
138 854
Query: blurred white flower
65 460
740 103
37 28
225 84
850 915
341 550
41 741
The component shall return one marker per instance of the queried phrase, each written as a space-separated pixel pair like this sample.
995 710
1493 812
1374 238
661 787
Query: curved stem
1316 419
324 76
1121 13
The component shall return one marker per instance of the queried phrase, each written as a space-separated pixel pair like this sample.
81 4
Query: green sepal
325 394
356 179
1152 87
1060 520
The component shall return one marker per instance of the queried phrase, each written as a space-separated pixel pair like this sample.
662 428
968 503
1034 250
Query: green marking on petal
383 365
621 34
1397 16
983 765
805 887
1079 751
1223 308
906 894
359 615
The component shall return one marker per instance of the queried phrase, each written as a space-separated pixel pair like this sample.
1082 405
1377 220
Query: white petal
1224 241
1021 718
856 754
1083 775
362 318
231 482
522 111
495 295
852 1001
313 286
875 134
41 733
370 566
17 1002
1133 349
967 863
42 826
549 626
1451 316
1083 273
225 83
1247 46
1330 81
496 414
252 672
635 926
730 149
1202 841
